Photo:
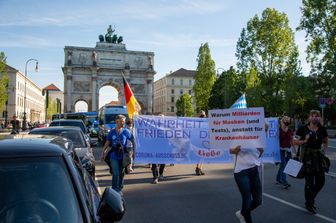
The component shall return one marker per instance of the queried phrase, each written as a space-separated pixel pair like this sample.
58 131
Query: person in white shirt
246 175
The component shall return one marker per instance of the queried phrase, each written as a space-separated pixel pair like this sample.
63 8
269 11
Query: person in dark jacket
313 139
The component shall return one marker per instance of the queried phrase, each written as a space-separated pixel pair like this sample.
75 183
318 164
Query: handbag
107 159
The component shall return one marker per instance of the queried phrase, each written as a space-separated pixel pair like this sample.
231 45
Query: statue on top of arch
110 37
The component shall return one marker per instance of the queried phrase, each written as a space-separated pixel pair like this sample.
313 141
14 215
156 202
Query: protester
247 178
286 139
199 166
310 138
158 175
15 125
130 147
117 139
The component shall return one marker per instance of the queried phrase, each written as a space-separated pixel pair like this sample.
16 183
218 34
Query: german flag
133 106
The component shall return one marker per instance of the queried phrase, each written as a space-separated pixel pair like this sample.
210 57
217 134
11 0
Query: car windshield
75 136
43 193
76 124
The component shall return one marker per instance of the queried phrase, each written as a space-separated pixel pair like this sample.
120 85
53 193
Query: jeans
155 170
117 174
249 185
314 183
284 157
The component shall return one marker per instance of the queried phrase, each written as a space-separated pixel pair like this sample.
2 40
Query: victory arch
86 70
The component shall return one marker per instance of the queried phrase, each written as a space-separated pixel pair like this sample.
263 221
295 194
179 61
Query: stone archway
81 106
86 70
108 94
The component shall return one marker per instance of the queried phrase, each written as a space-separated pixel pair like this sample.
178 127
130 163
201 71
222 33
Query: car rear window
76 124
75 136
37 190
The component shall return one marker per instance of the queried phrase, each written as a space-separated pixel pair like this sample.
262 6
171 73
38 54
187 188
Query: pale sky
172 29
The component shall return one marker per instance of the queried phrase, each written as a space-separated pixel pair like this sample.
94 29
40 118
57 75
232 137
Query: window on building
173 81
172 91
181 91
181 82
172 108
172 99
190 82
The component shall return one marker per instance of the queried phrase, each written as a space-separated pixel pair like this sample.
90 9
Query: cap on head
201 113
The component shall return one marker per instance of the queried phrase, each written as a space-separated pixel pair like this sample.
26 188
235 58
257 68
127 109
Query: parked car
43 181
72 122
80 144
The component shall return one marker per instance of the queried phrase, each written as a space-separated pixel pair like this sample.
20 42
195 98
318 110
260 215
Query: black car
42 180
80 144
70 122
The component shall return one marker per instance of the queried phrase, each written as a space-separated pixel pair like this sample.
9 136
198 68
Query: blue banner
183 140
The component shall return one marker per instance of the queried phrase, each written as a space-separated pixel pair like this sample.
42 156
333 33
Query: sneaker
156 181
278 182
240 217
286 186
161 177
311 209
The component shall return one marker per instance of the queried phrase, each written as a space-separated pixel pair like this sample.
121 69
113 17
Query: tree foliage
184 106
52 107
227 88
205 77
319 21
4 81
267 54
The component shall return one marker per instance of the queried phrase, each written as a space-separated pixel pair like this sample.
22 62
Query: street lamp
24 122
218 74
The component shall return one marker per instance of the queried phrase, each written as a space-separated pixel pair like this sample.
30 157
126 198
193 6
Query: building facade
88 69
15 104
170 88
56 95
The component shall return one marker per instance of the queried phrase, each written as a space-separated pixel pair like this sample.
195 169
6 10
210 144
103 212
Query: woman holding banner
311 137
199 165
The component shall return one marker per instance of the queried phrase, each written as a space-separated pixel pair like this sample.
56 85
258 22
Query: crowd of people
311 138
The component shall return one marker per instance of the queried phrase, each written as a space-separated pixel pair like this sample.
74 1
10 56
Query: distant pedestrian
15 125
310 138
286 139
199 166
158 174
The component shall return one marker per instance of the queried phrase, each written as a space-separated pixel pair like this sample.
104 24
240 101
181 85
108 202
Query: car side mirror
111 207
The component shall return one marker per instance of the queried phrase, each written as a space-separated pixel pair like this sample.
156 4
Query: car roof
68 120
56 129
33 146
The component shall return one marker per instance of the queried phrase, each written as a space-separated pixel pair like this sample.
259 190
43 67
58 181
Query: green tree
266 48
52 107
319 21
205 77
227 88
184 106
4 81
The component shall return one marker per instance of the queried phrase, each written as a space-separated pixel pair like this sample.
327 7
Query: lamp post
218 74
24 122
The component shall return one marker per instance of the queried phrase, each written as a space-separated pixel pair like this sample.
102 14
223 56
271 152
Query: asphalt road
214 197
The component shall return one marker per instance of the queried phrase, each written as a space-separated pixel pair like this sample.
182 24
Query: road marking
298 207
331 174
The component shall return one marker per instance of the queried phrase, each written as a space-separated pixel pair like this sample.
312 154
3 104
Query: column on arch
94 89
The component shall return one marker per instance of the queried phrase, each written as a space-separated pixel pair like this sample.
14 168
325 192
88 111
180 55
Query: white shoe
240 217
161 177
156 181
